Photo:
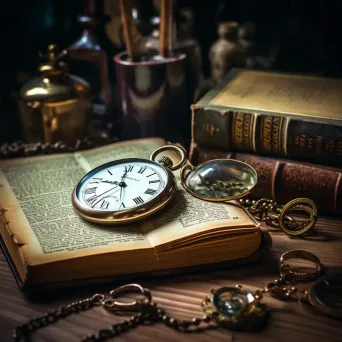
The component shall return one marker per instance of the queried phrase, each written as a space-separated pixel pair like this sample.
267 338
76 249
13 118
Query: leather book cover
283 180
274 114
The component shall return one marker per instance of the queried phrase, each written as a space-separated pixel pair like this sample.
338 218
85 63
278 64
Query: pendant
235 308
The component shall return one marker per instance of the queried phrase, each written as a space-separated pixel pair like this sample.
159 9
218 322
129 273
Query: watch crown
165 161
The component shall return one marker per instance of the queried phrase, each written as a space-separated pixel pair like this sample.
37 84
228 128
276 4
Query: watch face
122 185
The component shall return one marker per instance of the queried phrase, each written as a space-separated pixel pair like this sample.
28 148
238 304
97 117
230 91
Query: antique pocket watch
129 189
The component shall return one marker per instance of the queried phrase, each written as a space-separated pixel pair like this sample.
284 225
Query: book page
189 217
36 196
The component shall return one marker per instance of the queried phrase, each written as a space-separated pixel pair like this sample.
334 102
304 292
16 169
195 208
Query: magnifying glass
219 180
222 180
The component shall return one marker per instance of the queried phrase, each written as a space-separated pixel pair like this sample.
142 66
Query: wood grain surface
181 296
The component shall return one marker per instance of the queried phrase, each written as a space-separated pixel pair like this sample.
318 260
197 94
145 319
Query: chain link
269 211
22 332
114 329
147 314
20 149
264 210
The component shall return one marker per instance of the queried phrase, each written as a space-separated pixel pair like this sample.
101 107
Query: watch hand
124 176
105 192
121 193
92 206
110 182
122 186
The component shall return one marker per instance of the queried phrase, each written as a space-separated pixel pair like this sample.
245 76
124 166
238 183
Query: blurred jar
226 52
183 44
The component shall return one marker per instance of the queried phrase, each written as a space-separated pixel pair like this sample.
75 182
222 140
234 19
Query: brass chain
147 314
22 332
145 311
20 149
264 210
280 289
268 211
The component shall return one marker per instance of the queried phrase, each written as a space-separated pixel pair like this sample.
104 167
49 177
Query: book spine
284 180
266 134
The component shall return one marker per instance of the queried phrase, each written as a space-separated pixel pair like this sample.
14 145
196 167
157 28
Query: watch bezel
130 214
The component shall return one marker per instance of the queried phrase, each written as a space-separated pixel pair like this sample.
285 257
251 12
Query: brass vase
56 105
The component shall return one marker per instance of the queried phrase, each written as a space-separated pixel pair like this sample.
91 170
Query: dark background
307 35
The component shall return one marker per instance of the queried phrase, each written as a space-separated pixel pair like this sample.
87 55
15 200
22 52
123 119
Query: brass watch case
127 215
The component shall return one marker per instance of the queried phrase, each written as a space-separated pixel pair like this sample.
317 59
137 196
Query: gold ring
287 273
298 229
180 150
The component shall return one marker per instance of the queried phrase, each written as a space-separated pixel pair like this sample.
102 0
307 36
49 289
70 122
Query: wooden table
181 296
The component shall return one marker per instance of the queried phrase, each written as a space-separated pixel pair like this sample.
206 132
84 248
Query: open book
47 243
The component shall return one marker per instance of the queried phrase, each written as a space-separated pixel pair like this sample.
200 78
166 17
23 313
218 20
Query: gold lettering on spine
238 130
302 141
243 131
331 146
271 134
266 133
276 133
247 129
319 142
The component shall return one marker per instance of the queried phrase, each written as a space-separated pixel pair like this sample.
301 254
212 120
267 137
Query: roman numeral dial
121 186
129 168
142 170
155 181
150 192
138 200
104 204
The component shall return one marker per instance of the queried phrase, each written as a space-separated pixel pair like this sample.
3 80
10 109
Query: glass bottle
226 52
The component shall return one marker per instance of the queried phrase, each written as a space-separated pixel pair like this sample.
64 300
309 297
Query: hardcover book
49 245
274 114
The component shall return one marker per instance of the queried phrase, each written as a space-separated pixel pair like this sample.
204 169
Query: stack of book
288 127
